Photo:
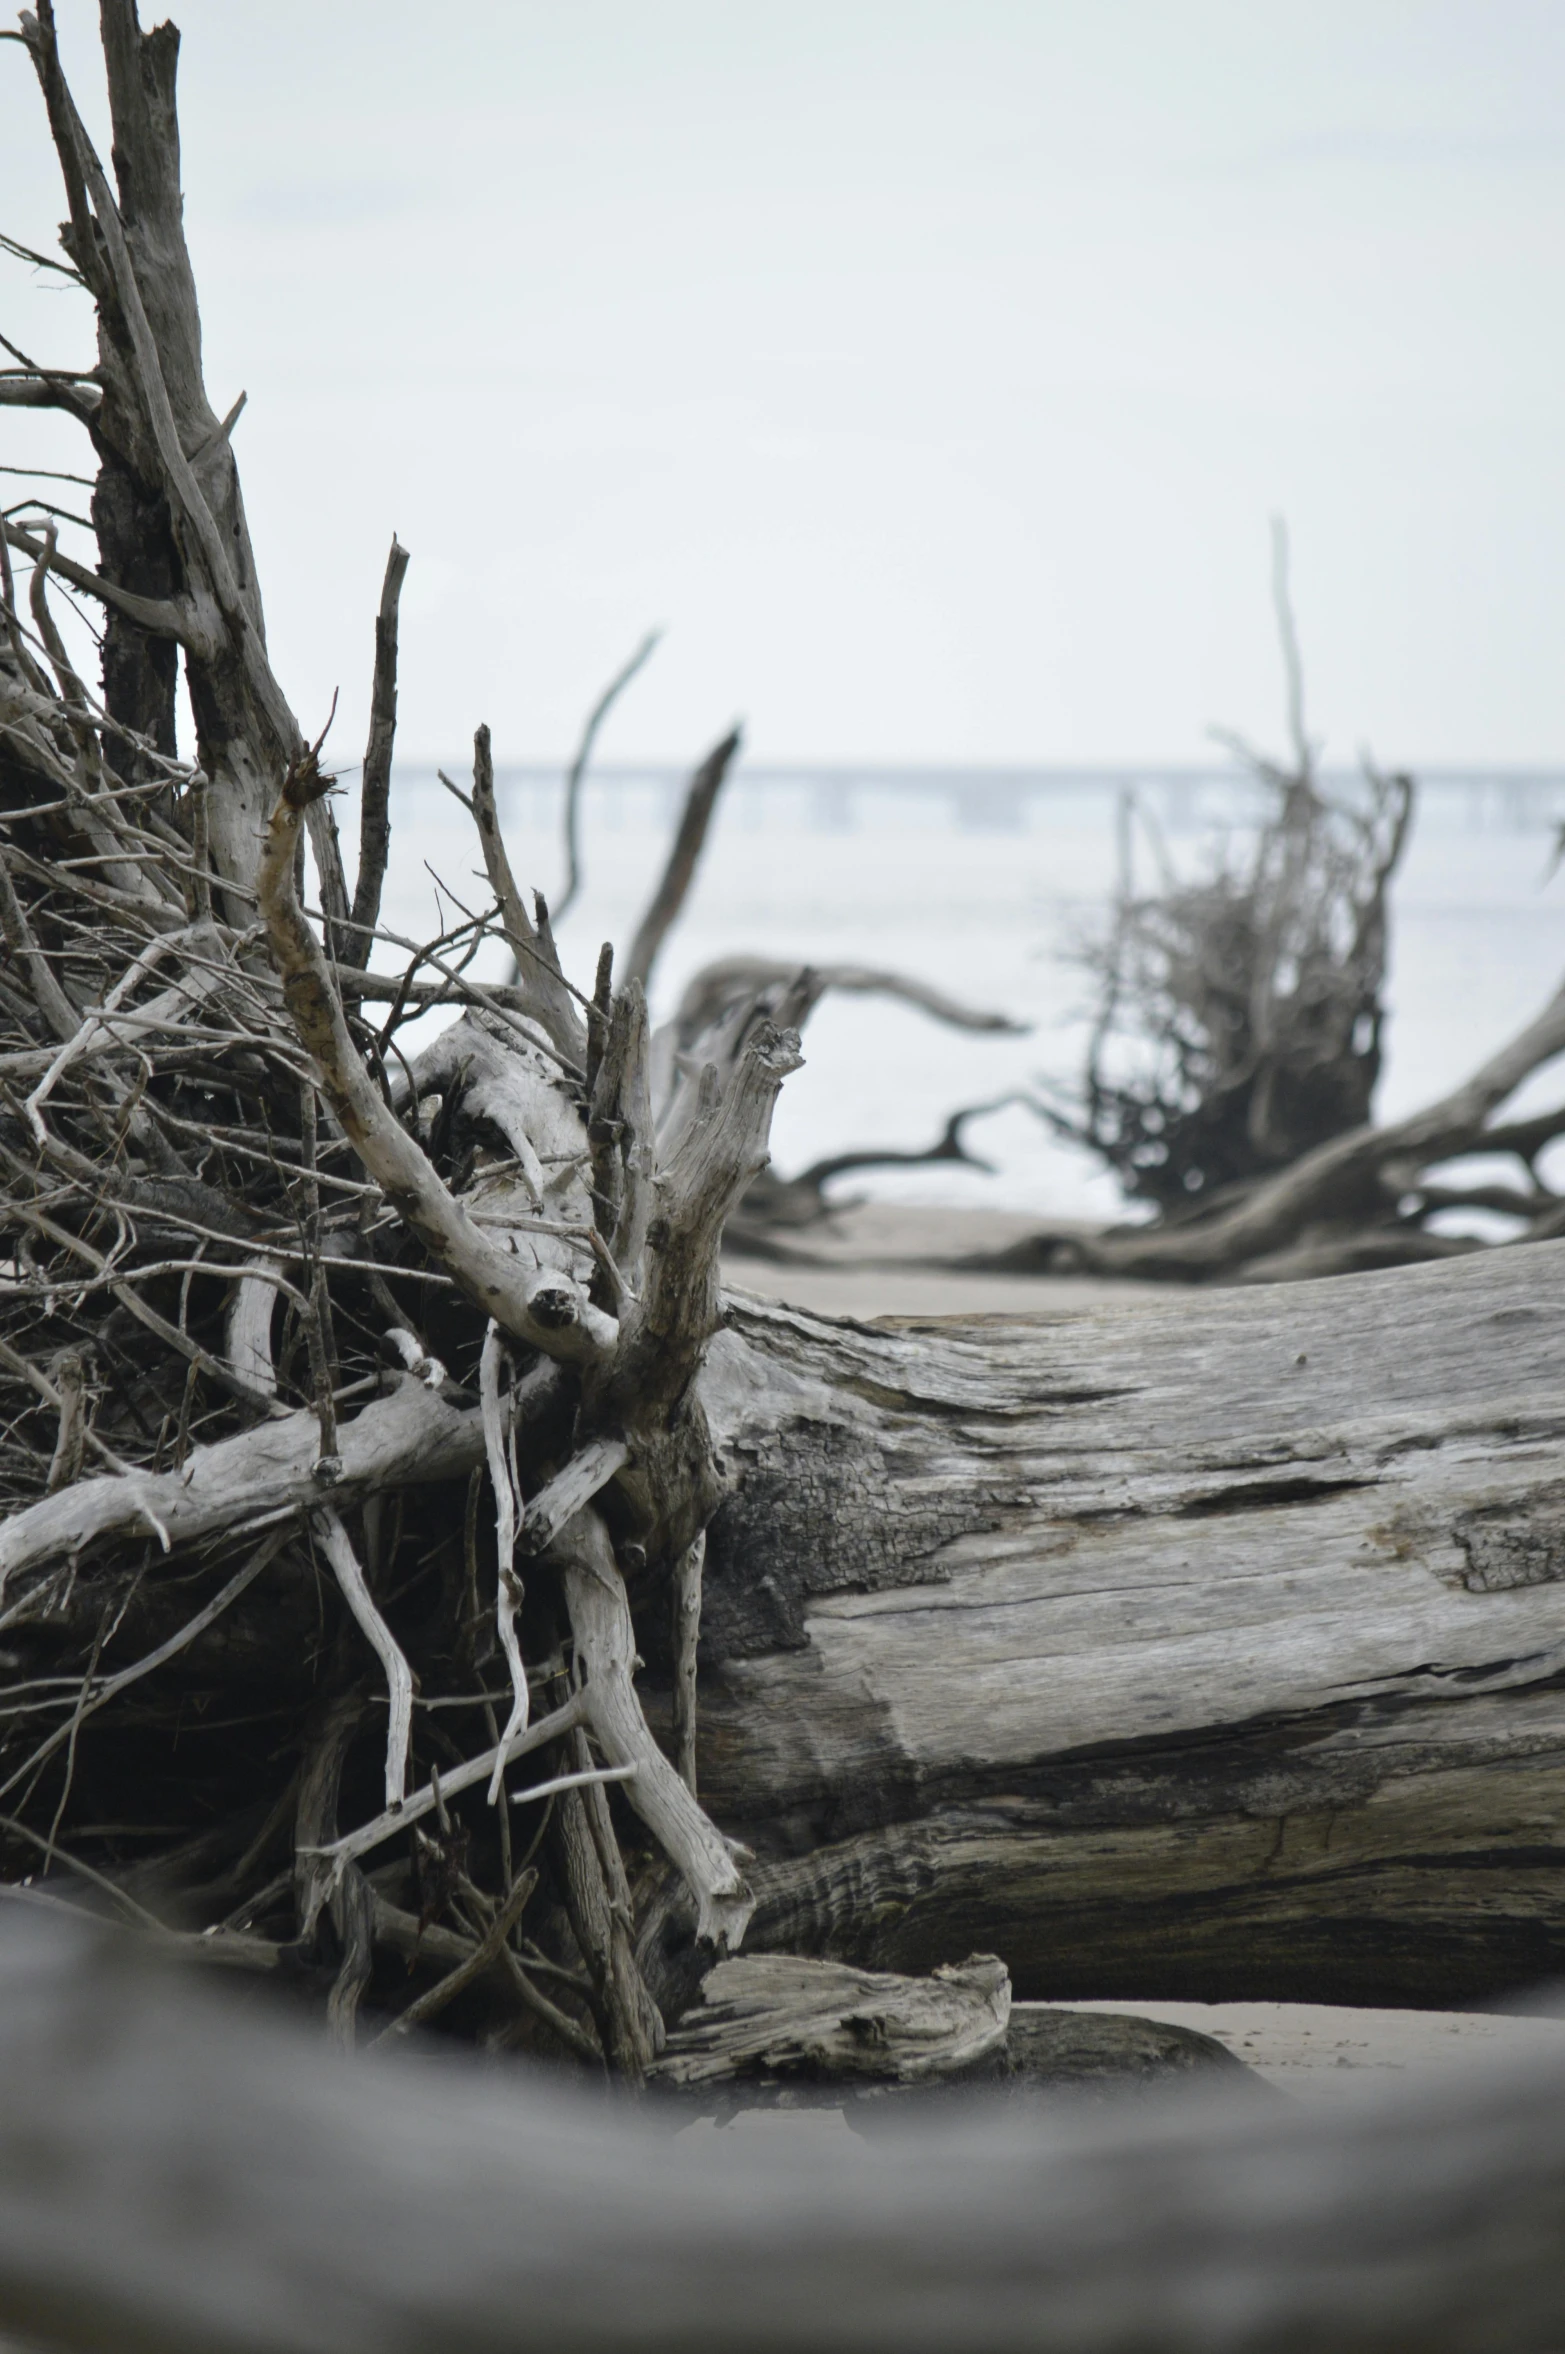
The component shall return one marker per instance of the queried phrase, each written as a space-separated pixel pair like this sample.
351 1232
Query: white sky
930 371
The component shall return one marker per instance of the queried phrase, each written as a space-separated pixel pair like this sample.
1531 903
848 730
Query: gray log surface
196 2177
773 2016
1206 1648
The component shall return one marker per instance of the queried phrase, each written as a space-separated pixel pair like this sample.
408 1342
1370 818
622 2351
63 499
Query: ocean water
983 884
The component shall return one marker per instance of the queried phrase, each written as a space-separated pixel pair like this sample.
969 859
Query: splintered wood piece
775 2015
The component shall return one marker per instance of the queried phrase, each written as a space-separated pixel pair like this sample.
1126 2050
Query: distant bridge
837 797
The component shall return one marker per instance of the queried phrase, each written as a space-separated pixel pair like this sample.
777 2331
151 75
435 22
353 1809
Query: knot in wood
554 1306
777 1051
305 781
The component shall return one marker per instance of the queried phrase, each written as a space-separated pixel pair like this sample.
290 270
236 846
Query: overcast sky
929 371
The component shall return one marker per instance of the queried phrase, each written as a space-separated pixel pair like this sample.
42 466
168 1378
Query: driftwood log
1204 1649
182 2175
1240 1011
1357 1202
773 2031
380 1456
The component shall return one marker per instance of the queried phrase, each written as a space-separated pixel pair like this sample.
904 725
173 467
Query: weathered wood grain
773 2016
1212 1647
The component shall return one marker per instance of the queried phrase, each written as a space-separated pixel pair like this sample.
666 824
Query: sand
1322 2052
871 1259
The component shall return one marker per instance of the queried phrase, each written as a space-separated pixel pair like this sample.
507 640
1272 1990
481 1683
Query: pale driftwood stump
773 2017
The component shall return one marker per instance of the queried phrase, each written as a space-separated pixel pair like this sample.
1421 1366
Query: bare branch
718 987
538 975
606 1646
717 1156
500 1454
687 1634
578 768
683 859
375 783
1292 662
337 1547
266 1473
70 1446
159 615
538 1305
484 1954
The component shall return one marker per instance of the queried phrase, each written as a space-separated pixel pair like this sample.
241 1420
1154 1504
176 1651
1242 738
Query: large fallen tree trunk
1204 1649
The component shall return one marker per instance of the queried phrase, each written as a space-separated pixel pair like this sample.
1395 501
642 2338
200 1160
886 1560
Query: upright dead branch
375 782
543 988
576 774
684 856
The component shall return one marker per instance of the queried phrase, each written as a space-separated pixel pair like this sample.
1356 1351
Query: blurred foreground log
181 2174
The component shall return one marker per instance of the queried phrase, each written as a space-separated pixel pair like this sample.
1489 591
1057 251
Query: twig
537 965
687 1632
578 768
337 1547
500 1451
683 858
375 781
54 1853
435 1998
477 1769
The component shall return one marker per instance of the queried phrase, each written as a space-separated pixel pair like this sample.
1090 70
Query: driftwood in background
1360 1201
194 2178
1237 1044
1239 1012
